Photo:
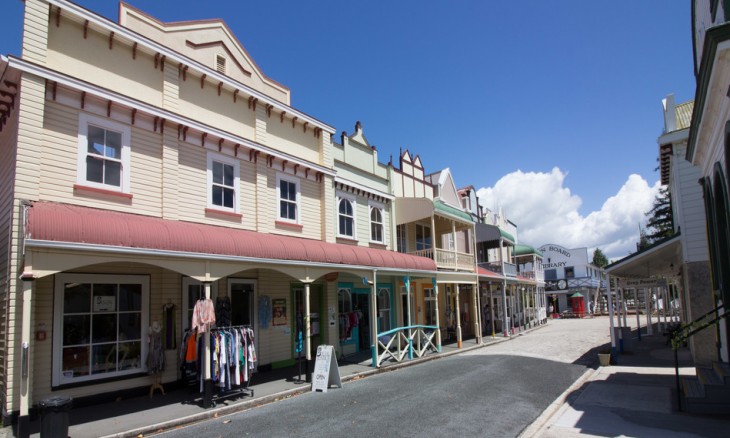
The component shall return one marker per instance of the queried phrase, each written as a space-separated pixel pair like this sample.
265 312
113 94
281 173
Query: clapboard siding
58 168
91 60
7 208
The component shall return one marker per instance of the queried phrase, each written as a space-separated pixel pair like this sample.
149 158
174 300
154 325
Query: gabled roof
51 223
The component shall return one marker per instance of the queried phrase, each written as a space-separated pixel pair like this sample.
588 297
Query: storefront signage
105 303
326 371
554 265
642 282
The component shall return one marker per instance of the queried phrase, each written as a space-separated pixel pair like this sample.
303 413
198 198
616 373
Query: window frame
57 375
426 238
380 208
297 202
401 237
82 152
351 199
214 157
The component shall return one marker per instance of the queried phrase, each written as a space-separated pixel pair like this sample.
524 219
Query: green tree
660 223
599 258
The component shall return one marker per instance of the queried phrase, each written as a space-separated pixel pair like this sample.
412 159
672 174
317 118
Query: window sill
378 245
346 239
289 225
88 189
226 214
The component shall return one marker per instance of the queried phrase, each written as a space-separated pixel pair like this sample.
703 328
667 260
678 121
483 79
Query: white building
569 272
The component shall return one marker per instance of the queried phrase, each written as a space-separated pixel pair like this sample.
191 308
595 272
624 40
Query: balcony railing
448 259
510 269
534 275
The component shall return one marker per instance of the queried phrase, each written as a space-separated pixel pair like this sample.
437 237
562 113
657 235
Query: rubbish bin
54 416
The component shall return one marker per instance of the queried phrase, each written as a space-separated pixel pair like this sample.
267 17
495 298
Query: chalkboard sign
326 371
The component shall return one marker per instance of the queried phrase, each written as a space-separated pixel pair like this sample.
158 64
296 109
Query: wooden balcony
510 269
448 259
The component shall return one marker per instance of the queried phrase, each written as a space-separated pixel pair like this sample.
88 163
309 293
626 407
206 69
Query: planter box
604 359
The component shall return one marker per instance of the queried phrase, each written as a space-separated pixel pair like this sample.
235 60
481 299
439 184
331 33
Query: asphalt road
493 391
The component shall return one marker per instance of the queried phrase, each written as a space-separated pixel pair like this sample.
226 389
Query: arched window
346 216
376 224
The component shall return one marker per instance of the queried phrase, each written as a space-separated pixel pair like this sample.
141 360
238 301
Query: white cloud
547 212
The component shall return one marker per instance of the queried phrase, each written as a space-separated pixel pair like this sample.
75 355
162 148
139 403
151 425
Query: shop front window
101 327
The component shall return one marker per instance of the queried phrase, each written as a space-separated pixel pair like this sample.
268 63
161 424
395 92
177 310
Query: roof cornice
52 75
172 55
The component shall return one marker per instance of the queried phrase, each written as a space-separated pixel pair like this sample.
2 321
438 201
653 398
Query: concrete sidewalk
143 415
636 397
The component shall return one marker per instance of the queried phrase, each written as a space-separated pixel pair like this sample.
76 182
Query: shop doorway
315 310
362 309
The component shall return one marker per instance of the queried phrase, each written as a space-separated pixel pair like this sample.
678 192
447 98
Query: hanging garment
264 311
203 315
223 311
156 354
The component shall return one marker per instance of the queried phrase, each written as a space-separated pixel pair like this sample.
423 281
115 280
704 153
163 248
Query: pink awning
50 221
487 273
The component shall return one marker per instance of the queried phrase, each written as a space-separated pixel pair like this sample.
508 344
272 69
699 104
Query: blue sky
485 88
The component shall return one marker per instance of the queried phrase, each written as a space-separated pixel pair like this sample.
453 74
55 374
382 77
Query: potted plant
604 357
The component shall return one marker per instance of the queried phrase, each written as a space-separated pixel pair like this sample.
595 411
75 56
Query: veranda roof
55 222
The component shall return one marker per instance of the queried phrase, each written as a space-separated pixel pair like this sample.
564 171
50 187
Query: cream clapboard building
148 164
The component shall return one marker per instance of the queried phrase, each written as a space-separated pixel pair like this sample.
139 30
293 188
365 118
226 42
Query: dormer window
220 64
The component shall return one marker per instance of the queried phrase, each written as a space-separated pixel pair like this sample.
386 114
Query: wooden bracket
202 139
235 95
220 145
111 40
109 109
220 84
134 51
202 80
294 121
134 114
86 28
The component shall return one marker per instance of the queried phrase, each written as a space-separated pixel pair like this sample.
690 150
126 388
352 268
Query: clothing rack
192 365
243 388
